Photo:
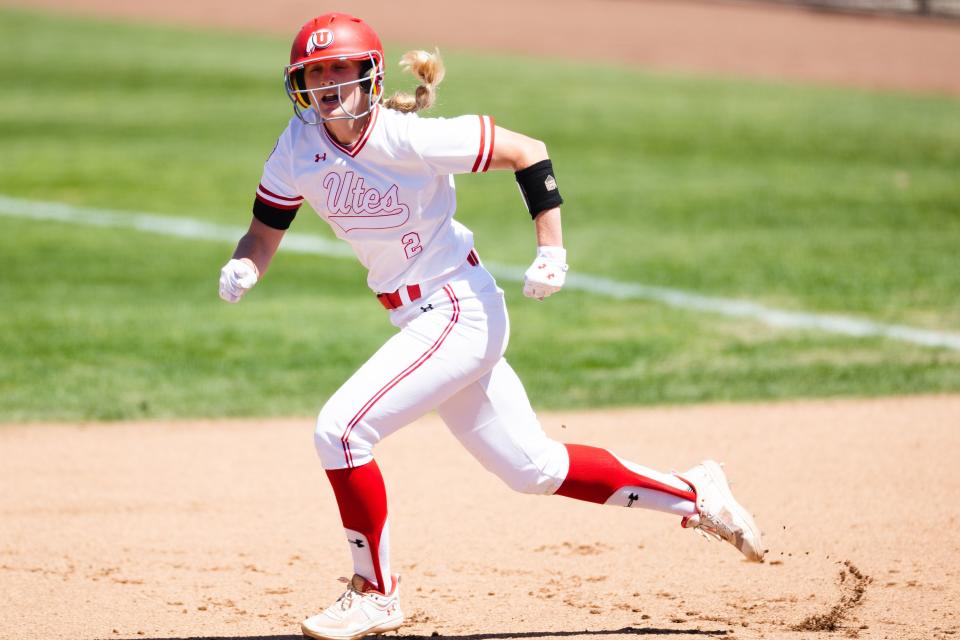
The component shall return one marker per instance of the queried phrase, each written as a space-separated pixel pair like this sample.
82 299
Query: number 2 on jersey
411 244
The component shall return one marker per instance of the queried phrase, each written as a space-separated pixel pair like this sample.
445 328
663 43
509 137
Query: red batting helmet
334 36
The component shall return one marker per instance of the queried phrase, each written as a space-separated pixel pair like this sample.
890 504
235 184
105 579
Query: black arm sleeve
272 216
538 186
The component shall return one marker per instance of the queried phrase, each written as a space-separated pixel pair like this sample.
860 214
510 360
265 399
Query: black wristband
538 187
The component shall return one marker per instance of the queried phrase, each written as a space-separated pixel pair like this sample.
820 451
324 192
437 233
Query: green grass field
810 199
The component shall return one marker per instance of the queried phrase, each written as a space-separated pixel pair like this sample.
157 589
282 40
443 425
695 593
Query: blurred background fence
932 8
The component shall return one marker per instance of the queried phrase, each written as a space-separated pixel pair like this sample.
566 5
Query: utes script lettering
354 205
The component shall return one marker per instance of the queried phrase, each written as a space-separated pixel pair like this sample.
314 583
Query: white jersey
390 195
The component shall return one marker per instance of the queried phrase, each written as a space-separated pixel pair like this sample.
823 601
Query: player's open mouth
330 98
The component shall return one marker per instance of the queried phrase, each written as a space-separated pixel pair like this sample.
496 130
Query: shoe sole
719 478
390 625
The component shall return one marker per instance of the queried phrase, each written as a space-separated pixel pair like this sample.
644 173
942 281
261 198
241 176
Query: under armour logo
320 156
633 498
429 307
357 542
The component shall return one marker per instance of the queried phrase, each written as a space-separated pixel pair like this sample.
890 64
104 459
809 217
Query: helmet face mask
370 83
330 37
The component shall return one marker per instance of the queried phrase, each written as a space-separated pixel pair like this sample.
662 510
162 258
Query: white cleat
360 611
718 513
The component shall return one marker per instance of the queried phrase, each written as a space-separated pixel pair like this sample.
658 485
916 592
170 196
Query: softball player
382 177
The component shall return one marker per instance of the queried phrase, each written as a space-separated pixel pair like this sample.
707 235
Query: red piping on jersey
493 133
274 205
354 149
279 197
275 201
482 141
484 145
345 438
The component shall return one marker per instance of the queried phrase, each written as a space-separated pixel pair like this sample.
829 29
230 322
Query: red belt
394 299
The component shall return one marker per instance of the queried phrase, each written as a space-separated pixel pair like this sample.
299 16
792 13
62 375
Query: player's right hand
236 278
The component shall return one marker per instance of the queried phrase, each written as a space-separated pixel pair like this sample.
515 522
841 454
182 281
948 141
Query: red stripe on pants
595 474
345 438
362 498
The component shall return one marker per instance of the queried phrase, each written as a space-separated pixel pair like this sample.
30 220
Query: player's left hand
547 273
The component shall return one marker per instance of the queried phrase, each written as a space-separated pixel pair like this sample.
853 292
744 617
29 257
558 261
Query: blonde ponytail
428 69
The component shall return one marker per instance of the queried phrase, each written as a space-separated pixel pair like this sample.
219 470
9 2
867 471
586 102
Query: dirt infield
229 529
738 38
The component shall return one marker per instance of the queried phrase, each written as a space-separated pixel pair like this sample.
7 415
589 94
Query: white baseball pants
447 356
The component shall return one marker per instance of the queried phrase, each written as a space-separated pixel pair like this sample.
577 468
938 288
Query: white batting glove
236 278
547 273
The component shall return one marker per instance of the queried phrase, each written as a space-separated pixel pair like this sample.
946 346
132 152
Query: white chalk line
318 245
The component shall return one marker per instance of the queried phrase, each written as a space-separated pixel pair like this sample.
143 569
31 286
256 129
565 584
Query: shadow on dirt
627 631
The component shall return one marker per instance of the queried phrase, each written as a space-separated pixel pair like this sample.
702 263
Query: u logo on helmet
319 40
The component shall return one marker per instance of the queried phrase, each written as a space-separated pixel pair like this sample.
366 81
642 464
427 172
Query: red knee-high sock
362 499
596 474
